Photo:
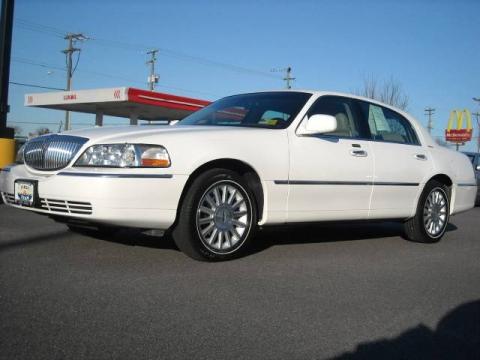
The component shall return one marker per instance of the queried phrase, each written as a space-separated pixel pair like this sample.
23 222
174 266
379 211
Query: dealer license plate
24 193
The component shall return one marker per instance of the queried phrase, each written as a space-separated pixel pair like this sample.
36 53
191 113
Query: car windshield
273 110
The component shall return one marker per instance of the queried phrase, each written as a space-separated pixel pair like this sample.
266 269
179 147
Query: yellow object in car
271 122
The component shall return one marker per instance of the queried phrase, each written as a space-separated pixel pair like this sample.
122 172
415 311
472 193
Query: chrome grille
52 152
64 206
57 206
9 198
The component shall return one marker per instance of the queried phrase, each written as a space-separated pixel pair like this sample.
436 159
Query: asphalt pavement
314 292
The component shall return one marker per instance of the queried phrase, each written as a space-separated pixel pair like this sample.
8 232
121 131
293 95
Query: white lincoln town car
247 161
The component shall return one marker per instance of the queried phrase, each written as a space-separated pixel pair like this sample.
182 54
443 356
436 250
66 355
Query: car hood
130 133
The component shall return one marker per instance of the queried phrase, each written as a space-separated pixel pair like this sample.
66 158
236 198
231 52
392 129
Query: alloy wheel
223 217
435 213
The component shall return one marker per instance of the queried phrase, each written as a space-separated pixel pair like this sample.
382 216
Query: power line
35 86
36 63
59 67
182 56
76 63
142 48
171 87
37 30
36 27
96 73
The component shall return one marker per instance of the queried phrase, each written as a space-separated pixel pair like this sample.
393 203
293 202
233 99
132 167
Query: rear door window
387 125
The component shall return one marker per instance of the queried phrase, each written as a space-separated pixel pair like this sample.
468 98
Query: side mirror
317 124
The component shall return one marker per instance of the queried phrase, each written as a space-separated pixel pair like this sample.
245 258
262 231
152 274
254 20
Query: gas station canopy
127 102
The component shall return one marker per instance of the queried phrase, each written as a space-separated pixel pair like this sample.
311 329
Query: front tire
432 215
217 218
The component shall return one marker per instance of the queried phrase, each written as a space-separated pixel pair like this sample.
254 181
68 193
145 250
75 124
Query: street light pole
478 124
7 143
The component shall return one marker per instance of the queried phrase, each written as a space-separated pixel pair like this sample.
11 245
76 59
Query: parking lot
313 292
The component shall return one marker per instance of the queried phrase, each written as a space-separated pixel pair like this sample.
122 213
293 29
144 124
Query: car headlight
125 155
19 159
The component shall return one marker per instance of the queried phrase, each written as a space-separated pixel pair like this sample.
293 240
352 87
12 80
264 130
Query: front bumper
464 196
123 197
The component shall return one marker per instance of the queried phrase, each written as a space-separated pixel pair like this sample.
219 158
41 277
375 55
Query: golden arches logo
459 134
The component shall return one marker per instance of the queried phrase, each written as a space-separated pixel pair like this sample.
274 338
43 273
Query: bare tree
17 130
388 91
39 131
441 142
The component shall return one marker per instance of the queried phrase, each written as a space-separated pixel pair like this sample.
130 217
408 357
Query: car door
401 162
331 174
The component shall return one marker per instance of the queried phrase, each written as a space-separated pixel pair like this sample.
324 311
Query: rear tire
217 218
432 215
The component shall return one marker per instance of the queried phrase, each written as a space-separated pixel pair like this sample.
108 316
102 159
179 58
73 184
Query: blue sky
430 47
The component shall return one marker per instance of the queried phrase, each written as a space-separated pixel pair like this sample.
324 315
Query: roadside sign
459 134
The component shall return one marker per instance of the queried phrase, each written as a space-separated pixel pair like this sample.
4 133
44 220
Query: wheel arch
242 168
443 178
446 180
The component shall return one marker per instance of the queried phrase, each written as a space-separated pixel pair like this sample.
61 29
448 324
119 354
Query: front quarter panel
265 150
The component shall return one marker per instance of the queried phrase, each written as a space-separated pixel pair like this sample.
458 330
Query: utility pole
71 38
429 111
7 142
478 124
477 116
152 78
288 76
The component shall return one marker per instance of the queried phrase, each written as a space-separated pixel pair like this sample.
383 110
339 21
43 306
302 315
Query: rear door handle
420 157
358 153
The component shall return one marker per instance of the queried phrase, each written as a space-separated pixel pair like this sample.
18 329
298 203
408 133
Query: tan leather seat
343 126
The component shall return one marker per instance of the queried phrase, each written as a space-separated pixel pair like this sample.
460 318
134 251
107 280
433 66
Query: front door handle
420 157
358 153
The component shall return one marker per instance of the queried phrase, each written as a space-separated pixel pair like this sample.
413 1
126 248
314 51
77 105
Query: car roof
334 93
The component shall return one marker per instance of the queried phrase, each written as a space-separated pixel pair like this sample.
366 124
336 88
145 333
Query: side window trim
361 122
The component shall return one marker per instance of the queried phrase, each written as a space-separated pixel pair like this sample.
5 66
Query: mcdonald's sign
459 134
